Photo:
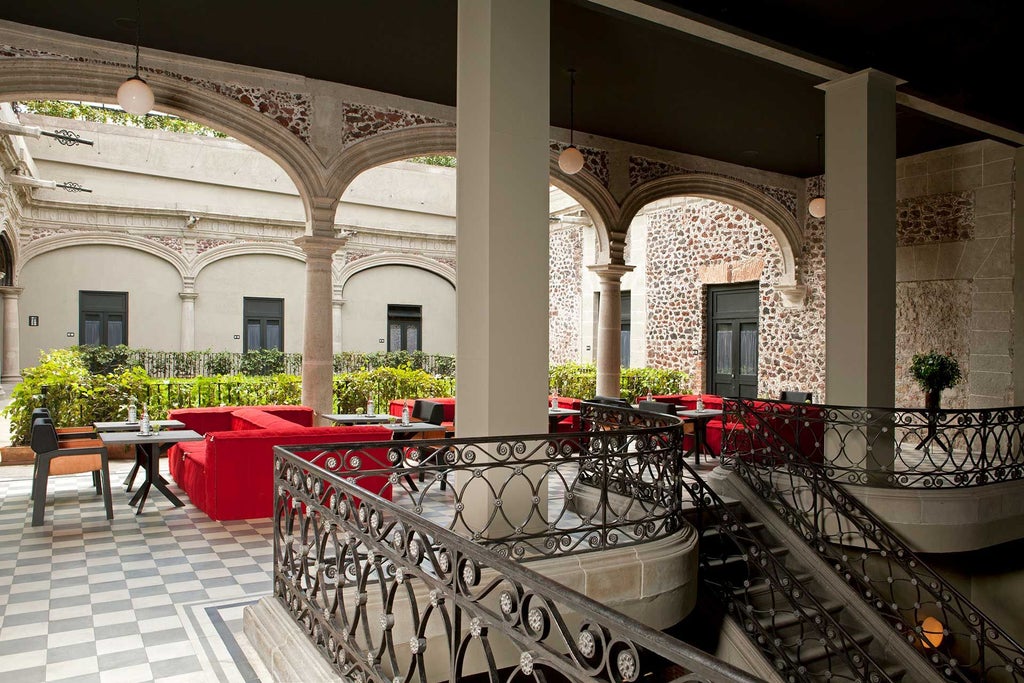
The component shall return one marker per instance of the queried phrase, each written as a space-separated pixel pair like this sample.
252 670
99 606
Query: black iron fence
893 447
622 481
770 453
386 595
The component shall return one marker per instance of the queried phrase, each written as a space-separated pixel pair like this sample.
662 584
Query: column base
285 650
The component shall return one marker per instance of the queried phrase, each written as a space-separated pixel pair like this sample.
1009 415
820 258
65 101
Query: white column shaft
10 372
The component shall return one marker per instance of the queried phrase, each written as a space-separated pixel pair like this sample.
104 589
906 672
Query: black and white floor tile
155 597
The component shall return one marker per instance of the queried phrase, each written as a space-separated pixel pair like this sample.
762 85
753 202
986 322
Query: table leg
140 454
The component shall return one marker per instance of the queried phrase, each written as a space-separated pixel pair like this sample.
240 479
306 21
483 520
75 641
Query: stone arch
9 257
345 273
776 217
244 249
111 239
29 77
396 145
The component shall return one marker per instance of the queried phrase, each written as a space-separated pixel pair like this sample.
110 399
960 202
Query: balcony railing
771 452
900 448
623 481
387 595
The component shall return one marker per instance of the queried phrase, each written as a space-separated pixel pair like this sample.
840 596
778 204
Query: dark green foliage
88 112
934 371
262 362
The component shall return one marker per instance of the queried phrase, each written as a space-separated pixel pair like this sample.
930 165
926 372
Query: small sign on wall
380 341
33 321
238 336
71 334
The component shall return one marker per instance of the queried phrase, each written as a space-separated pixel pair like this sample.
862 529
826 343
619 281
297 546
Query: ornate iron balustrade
533 496
421 603
961 644
899 448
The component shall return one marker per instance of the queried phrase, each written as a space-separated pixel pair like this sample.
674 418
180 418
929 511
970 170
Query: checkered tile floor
157 597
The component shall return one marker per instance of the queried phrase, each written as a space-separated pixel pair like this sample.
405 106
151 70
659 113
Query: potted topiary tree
934 372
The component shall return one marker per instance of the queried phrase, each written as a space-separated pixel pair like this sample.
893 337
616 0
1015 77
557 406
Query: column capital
188 296
11 292
319 247
338 302
322 211
879 77
610 272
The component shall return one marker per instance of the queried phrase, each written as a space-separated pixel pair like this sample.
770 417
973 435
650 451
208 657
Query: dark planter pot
932 400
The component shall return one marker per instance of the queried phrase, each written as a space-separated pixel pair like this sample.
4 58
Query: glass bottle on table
650 395
700 401
405 413
133 413
554 397
370 407
145 427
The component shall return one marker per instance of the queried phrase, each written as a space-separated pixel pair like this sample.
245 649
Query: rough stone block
975 254
918 167
993 225
909 187
926 256
990 363
1000 260
993 199
982 402
940 182
968 155
905 267
990 383
990 342
949 257
993 284
991 320
968 178
940 161
997 172
994 151
992 301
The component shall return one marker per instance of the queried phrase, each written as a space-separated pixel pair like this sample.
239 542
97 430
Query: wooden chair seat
75 456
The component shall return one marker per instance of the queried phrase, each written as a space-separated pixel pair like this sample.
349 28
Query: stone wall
565 293
701 242
954 269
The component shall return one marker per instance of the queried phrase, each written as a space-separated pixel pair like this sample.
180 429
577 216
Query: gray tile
179 665
26 618
117 660
34 675
128 628
72 624
156 612
16 645
66 653
112 606
171 635
28 596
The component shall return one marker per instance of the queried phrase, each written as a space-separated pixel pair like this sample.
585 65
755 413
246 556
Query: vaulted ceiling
637 79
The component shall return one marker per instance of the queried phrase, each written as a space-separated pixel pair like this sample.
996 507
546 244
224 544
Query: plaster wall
154 310
224 284
365 312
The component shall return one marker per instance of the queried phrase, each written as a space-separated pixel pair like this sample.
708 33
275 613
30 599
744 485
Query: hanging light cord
572 98
138 34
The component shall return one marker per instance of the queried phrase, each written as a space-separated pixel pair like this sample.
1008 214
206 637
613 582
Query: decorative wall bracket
793 295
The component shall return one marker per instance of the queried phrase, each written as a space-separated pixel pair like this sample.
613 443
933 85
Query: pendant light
571 159
135 96
816 207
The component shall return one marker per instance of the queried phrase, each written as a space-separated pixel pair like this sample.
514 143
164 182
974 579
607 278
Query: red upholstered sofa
395 408
229 474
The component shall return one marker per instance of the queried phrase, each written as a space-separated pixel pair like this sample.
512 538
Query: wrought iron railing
622 481
386 595
900 448
538 495
953 635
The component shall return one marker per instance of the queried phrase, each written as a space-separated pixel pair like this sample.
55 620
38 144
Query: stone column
188 320
317 355
10 373
860 239
609 328
502 245
860 250
336 303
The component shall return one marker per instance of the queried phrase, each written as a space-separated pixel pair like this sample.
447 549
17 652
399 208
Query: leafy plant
262 362
580 381
100 114
934 371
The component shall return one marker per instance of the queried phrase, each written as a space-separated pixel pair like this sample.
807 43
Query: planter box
23 455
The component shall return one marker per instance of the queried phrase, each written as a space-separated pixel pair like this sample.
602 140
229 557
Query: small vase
932 400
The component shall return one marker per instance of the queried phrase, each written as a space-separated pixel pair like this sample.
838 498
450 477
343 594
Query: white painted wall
368 293
154 309
223 285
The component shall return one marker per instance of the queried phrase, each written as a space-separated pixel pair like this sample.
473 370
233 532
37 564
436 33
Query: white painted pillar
336 304
502 216
609 328
860 239
188 320
502 250
317 354
10 372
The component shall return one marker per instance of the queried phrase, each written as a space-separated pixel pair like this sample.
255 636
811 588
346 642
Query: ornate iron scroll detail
769 453
386 595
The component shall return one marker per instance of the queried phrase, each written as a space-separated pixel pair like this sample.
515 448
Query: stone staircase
804 626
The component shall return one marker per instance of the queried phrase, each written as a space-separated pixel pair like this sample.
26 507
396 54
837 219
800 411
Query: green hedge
580 381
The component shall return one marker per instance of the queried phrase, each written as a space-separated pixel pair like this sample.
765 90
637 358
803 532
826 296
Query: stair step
738 558
788 618
761 585
816 651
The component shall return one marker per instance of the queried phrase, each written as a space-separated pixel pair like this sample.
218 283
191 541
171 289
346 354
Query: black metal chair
609 401
432 413
75 456
63 432
796 396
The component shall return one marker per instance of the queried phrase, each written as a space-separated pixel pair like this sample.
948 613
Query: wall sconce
932 633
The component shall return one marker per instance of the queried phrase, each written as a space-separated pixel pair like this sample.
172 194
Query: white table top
358 418
134 426
562 411
415 427
163 436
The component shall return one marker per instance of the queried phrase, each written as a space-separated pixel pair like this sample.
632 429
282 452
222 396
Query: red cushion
395 406
203 420
239 466
257 418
